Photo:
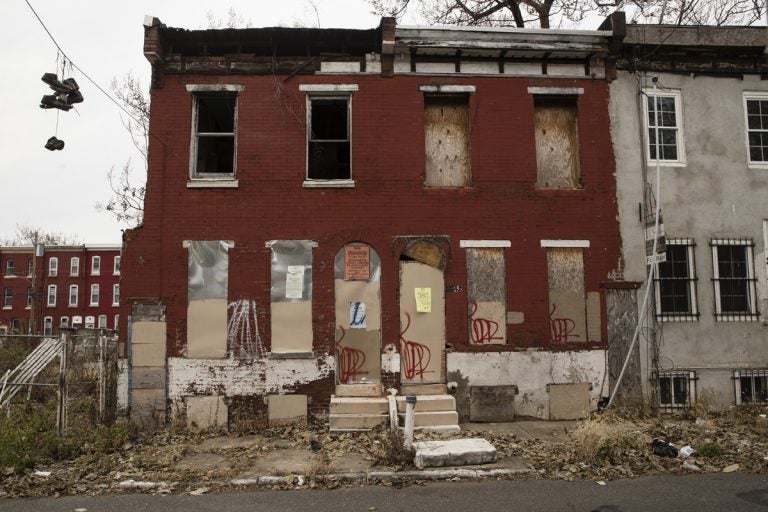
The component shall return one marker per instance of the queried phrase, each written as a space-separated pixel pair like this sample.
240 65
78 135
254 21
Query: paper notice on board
357 315
294 282
423 300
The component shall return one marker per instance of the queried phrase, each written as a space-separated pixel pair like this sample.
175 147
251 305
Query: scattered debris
199 491
686 451
731 468
663 448
44 474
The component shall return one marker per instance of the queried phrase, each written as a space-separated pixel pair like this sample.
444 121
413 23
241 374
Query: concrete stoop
432 412
453 452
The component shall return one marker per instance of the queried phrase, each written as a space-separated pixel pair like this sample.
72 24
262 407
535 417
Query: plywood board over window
447 140
208 271
486 295
557 142
291 296
567 301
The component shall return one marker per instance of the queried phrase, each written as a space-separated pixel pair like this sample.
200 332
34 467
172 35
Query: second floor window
9 268
115 294
94 295
664 108
74 266
116 266
51 295
73 295
8 298
96 265
756 106
53 266
30 296
214 128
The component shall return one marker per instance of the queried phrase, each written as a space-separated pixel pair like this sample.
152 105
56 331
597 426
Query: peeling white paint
390 362
122 386
187 377
531 372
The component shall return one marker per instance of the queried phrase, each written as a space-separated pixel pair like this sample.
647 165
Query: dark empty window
751 386
676 297
676 389
214 136
734 279
328 145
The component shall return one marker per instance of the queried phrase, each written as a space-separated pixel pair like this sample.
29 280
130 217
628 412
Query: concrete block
356 421
359 405
429 418
454 452
148 332
366 390
148 354
286 409
426 403
423 389
568 401
492 403
204 412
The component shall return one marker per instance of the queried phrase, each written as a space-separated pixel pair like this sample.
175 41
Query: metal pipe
410 403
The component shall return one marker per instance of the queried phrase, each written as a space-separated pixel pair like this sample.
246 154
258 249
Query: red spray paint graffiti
351 361
415 356
561 328
482 330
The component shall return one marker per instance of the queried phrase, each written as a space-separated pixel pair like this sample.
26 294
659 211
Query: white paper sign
294 282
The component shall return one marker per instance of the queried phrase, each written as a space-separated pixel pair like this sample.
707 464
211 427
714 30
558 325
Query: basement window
214 127
677 390
751 386
447 139
329 135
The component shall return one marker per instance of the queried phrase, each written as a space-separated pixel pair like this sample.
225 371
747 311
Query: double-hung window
734 279
96 265
756 111
74 266
47 326
94 295
329 134
213 148
53 266
51 300
73 293
30 297
115 294
8 298
664 114
9 268
676 283
116 266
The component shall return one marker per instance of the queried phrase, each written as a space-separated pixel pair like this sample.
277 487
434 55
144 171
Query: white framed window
734 279
47 326
751 386
73 294
213 149
30 297
671 146
329 134
9 268
115 294
51 301
116 266
677 389
30 267
96 265
74 266
53 266
94 295
756 118
8 298
64 322
117 322
102 322
90 322
676 283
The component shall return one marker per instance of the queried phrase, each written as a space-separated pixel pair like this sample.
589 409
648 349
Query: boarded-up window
291 296
557 142
567 304
207 284
486 294
447 141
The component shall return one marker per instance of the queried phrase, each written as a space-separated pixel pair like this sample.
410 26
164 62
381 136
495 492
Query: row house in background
59 286
705 334
334 212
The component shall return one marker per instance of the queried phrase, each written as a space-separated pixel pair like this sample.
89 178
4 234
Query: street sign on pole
651 234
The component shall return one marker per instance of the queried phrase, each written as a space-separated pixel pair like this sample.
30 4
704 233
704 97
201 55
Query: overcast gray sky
57 190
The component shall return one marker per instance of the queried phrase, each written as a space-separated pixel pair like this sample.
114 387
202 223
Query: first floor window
115 294
90 322
676 389
94 295
47 326
116 266
734 279
8 298
29 297
64 322
102 322
117 322
751 386
676 282
51 295
9 268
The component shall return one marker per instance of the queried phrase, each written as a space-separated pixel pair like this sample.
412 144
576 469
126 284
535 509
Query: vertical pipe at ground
410 403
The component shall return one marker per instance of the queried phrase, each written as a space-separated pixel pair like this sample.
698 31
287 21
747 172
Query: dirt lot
608 446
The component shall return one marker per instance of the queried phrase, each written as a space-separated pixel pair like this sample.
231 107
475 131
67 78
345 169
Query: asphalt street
691 493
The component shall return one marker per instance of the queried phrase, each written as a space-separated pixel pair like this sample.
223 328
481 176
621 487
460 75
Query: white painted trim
328 87
215 87
759 96
565 243
212 183
679 126
556 90
185 243
328 183
484 243
448 89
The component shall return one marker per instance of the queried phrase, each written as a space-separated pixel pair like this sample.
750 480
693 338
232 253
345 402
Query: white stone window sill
328 184
229 183
758 166
5 308
9 276
664 163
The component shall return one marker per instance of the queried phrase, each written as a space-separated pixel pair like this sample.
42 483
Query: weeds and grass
606 441
709 450
391 450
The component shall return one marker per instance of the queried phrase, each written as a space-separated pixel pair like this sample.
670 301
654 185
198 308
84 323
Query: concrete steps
357 413
434 413
424 389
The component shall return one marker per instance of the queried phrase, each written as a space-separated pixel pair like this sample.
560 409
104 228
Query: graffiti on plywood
482 330
415 356
243 336
561 329
350 361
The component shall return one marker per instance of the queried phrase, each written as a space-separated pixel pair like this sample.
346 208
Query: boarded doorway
422 314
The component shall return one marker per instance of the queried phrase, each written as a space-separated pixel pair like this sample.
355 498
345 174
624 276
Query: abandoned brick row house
334 213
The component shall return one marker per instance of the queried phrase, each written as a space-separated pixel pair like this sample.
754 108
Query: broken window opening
447 140
328 138
486 296
557 142
214 124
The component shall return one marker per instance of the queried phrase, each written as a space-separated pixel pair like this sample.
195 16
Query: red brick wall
388 200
